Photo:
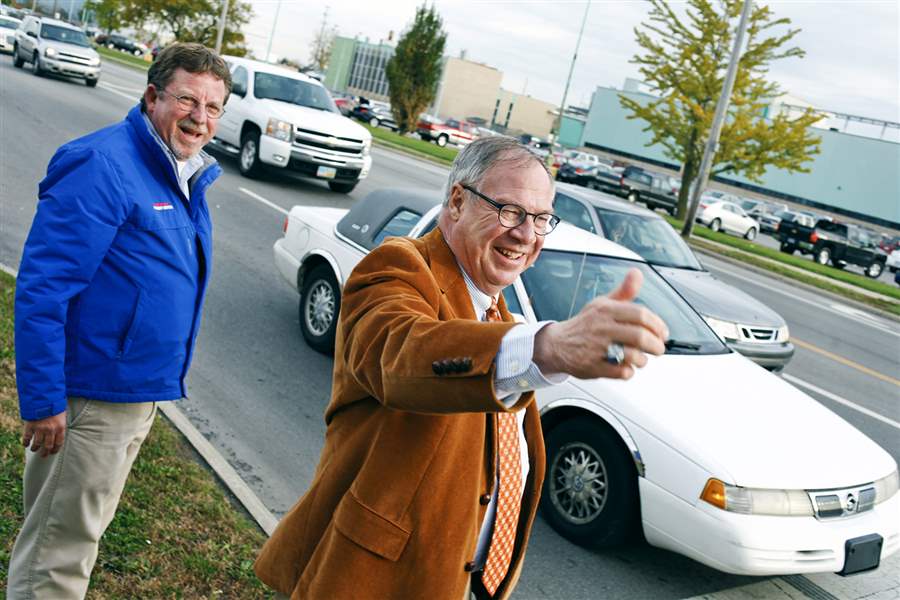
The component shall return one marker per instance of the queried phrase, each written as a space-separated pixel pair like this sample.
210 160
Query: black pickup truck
827 241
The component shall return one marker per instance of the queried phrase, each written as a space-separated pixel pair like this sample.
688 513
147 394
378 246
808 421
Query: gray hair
476 159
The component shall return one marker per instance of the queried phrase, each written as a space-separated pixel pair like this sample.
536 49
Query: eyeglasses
189 103
513 215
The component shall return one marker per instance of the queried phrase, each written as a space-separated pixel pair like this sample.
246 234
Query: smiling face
491 254
185 131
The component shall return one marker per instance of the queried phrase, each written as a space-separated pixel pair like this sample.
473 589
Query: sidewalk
882 584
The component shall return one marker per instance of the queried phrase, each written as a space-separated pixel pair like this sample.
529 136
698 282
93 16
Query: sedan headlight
280 130
50 52
367 148
751 501
726 330
784 334
886 487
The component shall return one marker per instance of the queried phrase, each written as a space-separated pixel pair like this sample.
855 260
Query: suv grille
73 58
330 144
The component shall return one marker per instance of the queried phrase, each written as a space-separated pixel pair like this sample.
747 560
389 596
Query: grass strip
747 246
176 534
445 155
122 57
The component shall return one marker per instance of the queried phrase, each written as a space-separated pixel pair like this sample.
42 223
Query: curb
409 152
224 471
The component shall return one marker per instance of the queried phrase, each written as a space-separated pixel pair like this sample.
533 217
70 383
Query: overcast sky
852 61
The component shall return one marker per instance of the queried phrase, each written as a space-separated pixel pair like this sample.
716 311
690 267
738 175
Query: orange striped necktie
509 494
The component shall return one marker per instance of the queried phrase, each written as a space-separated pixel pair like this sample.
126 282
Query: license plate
791 241
862 554
326 172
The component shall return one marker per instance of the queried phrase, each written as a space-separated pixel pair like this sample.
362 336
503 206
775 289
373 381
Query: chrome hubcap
248 155
319 313
578 482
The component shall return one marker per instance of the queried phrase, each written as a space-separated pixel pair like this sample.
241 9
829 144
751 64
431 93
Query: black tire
751 234
787 248
342 187
36 65
248 159
874 270
320 303
91 82
18 61
566 500
441 140
374 122
823 256
715 225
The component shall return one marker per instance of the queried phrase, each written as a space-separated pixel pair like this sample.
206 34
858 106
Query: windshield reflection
293 91
65 35
653 239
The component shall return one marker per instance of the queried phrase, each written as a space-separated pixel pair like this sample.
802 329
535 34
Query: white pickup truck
279 118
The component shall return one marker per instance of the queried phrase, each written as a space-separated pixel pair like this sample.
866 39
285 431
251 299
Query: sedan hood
72 49
742 424
322 121
714 298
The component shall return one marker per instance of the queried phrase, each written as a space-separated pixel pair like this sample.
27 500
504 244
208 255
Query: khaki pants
70 498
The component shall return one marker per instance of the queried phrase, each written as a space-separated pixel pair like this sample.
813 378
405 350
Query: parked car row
831 242
676 452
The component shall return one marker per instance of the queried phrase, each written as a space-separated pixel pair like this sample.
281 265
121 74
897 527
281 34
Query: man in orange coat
431 471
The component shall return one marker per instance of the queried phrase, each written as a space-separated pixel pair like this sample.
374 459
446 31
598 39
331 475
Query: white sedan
712 456
722 215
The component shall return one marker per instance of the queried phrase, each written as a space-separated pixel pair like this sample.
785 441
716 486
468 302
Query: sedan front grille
759 334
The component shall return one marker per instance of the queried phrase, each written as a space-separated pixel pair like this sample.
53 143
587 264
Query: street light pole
562 107
221 33
718 119
272 34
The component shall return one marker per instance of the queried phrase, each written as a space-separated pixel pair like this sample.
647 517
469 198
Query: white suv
279 118
53 46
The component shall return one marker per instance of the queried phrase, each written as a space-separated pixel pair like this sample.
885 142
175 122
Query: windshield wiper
675 344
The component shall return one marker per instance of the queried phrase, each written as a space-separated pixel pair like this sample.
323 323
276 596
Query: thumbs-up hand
579 345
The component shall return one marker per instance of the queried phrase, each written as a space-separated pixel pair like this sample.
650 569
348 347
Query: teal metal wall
855 175
571 131
339 64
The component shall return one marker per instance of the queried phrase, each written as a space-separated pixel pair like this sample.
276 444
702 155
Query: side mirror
31 34
239 89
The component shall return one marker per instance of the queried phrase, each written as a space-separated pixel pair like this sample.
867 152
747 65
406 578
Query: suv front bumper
306 160
70 69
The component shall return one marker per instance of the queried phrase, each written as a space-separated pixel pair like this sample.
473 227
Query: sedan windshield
561 283
293 91
652 238
64 34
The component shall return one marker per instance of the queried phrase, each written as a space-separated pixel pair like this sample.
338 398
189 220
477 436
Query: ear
456 202
151 97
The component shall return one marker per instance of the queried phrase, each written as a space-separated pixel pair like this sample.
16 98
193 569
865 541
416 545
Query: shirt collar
191 166
480 301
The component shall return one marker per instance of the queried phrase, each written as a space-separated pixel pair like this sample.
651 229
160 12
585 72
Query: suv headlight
726 330
280 130
94 62
50 52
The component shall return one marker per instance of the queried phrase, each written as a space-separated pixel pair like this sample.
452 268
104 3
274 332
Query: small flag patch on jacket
162 206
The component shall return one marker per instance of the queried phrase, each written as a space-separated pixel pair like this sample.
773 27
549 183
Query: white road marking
112 90
259 198
122 88
260 513
838 309
839 400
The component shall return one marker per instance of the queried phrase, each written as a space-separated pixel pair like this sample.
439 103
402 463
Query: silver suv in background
53 46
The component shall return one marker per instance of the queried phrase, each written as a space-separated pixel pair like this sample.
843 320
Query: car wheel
320 302
874 270
751 234
137 52
823 256
441 140
590 493
111 46
248 162
36 65
18 61
374 122
788 248
715 225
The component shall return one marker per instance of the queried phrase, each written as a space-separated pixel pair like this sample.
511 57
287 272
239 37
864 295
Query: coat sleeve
392 332
80 208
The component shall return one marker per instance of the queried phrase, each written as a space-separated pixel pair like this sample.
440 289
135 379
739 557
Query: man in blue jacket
108 302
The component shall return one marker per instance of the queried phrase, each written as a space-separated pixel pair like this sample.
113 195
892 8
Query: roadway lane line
249 500
259 198
113 90
838 309
845 361
839 400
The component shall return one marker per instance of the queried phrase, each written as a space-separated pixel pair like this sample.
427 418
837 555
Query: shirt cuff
516 371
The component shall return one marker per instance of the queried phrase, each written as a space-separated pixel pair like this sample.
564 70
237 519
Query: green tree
415 69
684 61
107 13
194 20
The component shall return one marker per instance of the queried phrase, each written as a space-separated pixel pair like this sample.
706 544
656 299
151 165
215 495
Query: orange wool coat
398 498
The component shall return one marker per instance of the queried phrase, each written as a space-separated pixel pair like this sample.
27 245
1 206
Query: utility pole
221 33
718 119
272 34
562 106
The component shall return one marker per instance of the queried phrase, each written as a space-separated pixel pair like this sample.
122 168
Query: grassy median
123 57
176 533
416 145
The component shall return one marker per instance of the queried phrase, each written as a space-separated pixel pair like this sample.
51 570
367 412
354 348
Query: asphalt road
257 392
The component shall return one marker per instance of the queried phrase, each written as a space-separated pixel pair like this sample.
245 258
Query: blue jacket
113 273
